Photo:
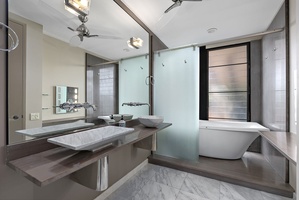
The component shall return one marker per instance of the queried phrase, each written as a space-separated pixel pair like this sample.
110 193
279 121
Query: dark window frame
204 80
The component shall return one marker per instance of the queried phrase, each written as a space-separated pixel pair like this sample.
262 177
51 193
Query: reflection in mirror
65 94
50 54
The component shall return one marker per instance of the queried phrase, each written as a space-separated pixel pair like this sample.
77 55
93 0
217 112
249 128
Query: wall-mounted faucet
135 104
71 106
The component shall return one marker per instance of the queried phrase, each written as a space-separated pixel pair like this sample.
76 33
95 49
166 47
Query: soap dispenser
122 122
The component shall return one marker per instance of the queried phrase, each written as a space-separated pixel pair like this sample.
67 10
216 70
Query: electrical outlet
34 116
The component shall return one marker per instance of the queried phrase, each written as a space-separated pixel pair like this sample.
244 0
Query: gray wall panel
274 90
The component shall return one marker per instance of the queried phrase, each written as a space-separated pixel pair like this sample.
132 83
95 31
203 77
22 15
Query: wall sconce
77 7
135 43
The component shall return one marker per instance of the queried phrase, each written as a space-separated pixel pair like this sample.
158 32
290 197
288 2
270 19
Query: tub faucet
135 104
71 106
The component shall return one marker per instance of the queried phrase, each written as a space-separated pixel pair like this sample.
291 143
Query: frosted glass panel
228 78
132 85
176 97
228 56
228 105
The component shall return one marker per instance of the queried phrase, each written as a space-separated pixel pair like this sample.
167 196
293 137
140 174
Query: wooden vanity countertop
51 165
284 142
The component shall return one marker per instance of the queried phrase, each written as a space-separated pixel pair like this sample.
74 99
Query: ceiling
105 18
188 24
184 25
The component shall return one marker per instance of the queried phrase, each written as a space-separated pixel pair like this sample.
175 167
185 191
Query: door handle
149 80
15 117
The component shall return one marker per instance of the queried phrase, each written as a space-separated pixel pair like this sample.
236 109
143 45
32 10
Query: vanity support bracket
148 143
94 176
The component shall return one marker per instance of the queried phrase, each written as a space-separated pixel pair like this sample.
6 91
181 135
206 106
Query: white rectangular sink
91 139
49 130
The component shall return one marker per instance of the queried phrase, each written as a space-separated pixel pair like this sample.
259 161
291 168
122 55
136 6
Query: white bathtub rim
204 124
234 129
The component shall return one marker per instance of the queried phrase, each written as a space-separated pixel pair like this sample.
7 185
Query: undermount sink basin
151 120
91 139
115 118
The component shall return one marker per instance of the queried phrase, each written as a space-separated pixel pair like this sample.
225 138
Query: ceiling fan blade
75 41
109 37
91 36
71 28
164 19
176 4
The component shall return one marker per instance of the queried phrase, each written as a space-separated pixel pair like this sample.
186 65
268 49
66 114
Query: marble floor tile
235 192
171 177
160 183
149 171
188 196
201 186
128 189
268 196
156 191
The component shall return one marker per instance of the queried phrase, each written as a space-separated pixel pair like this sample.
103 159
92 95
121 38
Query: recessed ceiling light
212 30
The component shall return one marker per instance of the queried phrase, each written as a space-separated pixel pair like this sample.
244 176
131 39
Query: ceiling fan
82 31
176 4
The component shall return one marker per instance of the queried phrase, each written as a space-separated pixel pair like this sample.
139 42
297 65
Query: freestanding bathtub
226 139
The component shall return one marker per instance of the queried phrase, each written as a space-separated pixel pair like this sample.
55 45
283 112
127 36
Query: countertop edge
75 159
265 134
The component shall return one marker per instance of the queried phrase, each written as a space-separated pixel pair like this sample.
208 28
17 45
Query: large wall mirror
51 53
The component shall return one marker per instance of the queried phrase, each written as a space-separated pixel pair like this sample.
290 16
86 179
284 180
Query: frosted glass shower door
132 85
176 97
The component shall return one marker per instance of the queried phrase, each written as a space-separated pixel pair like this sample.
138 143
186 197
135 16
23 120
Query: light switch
34 116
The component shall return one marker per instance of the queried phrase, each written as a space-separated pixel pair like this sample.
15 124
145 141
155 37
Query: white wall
49 62
63 65
33 58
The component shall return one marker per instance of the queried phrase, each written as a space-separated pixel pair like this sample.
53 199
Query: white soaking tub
227 139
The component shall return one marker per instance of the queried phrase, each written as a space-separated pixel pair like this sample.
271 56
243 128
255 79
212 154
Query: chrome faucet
135 104
71 106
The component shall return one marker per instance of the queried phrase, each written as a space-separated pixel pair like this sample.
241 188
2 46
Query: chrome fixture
14 42
135 43
135 104
77 7
82 31
71 106
177 3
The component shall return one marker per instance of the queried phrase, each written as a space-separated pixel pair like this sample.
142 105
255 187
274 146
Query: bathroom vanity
44 163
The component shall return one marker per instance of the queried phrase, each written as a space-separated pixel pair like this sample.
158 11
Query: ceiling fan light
135 43
77 7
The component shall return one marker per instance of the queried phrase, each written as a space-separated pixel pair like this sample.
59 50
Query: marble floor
155 182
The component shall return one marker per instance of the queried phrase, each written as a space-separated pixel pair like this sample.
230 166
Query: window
228 87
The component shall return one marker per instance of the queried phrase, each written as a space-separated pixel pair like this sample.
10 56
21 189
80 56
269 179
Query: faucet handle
93 107
88 105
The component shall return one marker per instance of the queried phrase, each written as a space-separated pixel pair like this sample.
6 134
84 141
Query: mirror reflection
65 94
53 51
